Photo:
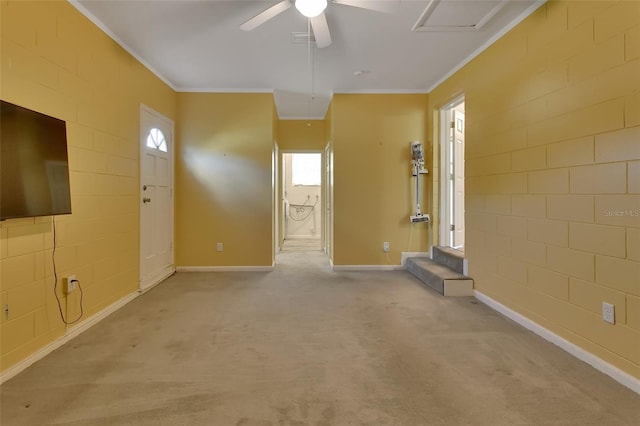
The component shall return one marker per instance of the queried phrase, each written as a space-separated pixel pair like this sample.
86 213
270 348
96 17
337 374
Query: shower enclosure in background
302 176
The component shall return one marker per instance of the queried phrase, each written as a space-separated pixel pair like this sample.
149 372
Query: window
306 169
156 140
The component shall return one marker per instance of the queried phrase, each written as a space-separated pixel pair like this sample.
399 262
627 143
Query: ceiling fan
314 10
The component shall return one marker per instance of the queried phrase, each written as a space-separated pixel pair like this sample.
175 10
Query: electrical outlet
70 283
385 246
609 312
219 247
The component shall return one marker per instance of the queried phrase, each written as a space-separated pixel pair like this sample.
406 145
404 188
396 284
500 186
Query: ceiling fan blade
263 17
387 6
321 30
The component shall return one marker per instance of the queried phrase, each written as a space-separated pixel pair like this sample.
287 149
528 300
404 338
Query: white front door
156 197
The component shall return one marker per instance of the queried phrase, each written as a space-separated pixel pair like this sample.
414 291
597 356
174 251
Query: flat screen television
34 165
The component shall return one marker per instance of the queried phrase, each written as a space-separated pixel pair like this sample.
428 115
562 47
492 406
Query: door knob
146 200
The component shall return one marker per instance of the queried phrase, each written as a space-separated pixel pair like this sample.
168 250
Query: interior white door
156 197
276 199
458 179
327 199
452 210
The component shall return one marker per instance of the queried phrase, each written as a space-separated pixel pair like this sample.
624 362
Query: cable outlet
219 247
385 246
608 313
70 283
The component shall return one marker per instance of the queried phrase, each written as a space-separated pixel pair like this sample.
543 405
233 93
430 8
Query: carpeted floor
306 346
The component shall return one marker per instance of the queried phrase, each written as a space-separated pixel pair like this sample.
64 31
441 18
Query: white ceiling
198 46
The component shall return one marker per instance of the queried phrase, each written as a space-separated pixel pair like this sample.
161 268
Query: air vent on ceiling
297 37
458 15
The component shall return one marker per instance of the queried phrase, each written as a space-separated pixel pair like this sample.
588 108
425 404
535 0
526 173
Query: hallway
301 244
307 346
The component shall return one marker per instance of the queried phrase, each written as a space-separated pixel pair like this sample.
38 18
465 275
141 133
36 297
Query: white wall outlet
608 312
385 246
70 283
219 247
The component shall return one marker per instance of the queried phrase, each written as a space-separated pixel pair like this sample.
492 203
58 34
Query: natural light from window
156 140
306 169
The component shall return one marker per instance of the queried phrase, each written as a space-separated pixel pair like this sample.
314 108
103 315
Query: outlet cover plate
608 313
70 283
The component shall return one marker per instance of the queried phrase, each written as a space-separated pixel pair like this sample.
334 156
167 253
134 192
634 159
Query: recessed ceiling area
463 15
199 46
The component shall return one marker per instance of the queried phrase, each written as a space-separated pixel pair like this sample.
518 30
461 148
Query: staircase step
440 278
449 257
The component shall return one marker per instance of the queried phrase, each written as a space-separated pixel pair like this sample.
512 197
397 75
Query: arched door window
156 140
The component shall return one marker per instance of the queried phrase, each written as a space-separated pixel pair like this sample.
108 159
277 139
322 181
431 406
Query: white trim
363 268
225 268
599 364
70 334
488 43
465 266
90 16
407 254
289 117
221 90
382 92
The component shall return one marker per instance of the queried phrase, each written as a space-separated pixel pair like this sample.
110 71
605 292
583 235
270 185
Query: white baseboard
69 335
599 364
407 254
155 280
225 268
346 268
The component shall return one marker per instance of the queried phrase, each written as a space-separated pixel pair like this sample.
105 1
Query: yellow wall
553 152
55 61
373 186
302 135
224 179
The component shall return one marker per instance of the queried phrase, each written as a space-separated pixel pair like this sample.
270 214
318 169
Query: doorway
156 198
452 140
302 201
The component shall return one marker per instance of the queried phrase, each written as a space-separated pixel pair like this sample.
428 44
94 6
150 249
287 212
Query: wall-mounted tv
34 165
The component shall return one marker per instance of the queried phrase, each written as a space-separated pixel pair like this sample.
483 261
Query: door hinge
453 227
452 125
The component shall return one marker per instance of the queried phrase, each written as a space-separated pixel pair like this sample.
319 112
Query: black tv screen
34 165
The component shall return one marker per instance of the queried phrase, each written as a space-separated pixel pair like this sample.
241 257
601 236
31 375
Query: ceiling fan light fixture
311 8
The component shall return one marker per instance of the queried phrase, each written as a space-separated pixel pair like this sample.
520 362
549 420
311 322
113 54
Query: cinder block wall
553 167
55 61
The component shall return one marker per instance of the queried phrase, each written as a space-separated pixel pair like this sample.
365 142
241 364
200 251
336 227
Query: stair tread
438 269
450 251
